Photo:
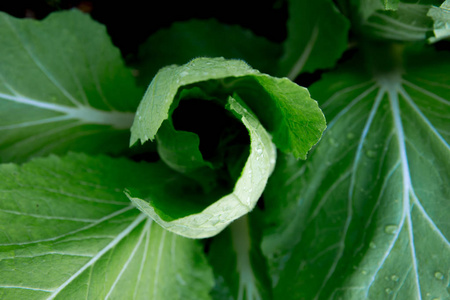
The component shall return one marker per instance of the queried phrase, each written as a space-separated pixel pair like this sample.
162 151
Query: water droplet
390 229
333 142
372 245
439 275
350 135
364 272
388 291
371 153
395 278
140 118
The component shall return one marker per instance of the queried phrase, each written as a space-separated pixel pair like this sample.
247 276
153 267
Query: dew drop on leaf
371 153
259 150
350 135
372 245
388 291
390 229
439 275
394 278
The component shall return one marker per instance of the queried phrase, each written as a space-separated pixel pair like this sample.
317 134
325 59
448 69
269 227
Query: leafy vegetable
253 86
221 151
57 92
368 186
72 233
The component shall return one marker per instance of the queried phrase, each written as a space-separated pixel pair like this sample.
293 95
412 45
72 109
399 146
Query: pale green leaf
69 232
246 192
317 37
285 109
441 18
184 41
63 86
365 217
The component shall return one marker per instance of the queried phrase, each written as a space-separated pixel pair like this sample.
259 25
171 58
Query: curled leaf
214 121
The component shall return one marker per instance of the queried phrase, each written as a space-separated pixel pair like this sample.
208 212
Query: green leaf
441 18
365 217
317 37
63 86
239 267
69 232
184 41
249 187
285 109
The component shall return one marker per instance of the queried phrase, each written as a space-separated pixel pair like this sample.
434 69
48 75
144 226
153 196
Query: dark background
131 22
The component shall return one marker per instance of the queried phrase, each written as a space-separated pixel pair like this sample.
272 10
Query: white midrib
241 244
393 89
300 63
407 185
133 253
141 217
85 114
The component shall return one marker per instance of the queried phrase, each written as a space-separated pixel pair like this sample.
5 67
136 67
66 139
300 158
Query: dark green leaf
184 41
317 37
